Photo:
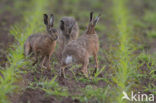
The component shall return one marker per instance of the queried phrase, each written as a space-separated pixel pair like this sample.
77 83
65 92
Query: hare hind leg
84 66
43 62
47 62
36 57
62 72
35 61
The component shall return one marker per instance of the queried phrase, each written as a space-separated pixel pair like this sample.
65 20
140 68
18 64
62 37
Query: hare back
78 49
74 53
41 43
89 42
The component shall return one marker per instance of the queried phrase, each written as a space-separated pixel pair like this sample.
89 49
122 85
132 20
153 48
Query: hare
42 44
69 30
79 51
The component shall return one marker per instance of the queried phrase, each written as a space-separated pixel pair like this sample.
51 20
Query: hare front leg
96 61
48 61
50 54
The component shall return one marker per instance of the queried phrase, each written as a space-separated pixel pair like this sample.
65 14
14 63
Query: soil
7 18
26 94
39 96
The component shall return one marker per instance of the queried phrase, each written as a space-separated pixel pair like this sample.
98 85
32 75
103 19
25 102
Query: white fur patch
68 59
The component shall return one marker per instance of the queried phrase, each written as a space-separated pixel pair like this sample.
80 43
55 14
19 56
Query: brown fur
42 44
81 49
69 30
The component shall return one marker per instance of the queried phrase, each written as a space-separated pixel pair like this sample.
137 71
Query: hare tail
68 59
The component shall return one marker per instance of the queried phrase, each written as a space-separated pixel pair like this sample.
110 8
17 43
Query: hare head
49 24
66 25
92 24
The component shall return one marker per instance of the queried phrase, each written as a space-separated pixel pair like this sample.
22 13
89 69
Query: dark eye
54 30
62 25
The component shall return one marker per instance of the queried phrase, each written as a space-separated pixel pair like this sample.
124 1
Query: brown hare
69 30
42 44
79 51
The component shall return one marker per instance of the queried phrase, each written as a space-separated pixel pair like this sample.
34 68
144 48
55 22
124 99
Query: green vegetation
127 58
51 87
123 53
93 93
146 59
16 58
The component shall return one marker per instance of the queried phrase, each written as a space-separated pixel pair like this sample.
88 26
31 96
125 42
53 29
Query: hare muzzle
56 37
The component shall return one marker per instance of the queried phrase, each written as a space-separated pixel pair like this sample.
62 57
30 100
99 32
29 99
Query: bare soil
7 19
26 94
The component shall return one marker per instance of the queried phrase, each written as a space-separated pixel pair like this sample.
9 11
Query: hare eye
54 31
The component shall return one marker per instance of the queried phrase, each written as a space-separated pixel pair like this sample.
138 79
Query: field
127 57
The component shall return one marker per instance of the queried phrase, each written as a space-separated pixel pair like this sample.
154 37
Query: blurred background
127 28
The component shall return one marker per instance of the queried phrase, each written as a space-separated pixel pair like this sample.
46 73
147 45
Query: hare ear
51 20
96 20
91 16
61 24
45 16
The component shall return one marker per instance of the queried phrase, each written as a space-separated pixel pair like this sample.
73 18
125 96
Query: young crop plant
149 18
30 24
91 94
124 67
145 72
51 87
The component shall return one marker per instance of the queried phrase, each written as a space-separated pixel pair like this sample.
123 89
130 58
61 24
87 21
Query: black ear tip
61 21
51 15
45 15
91 13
